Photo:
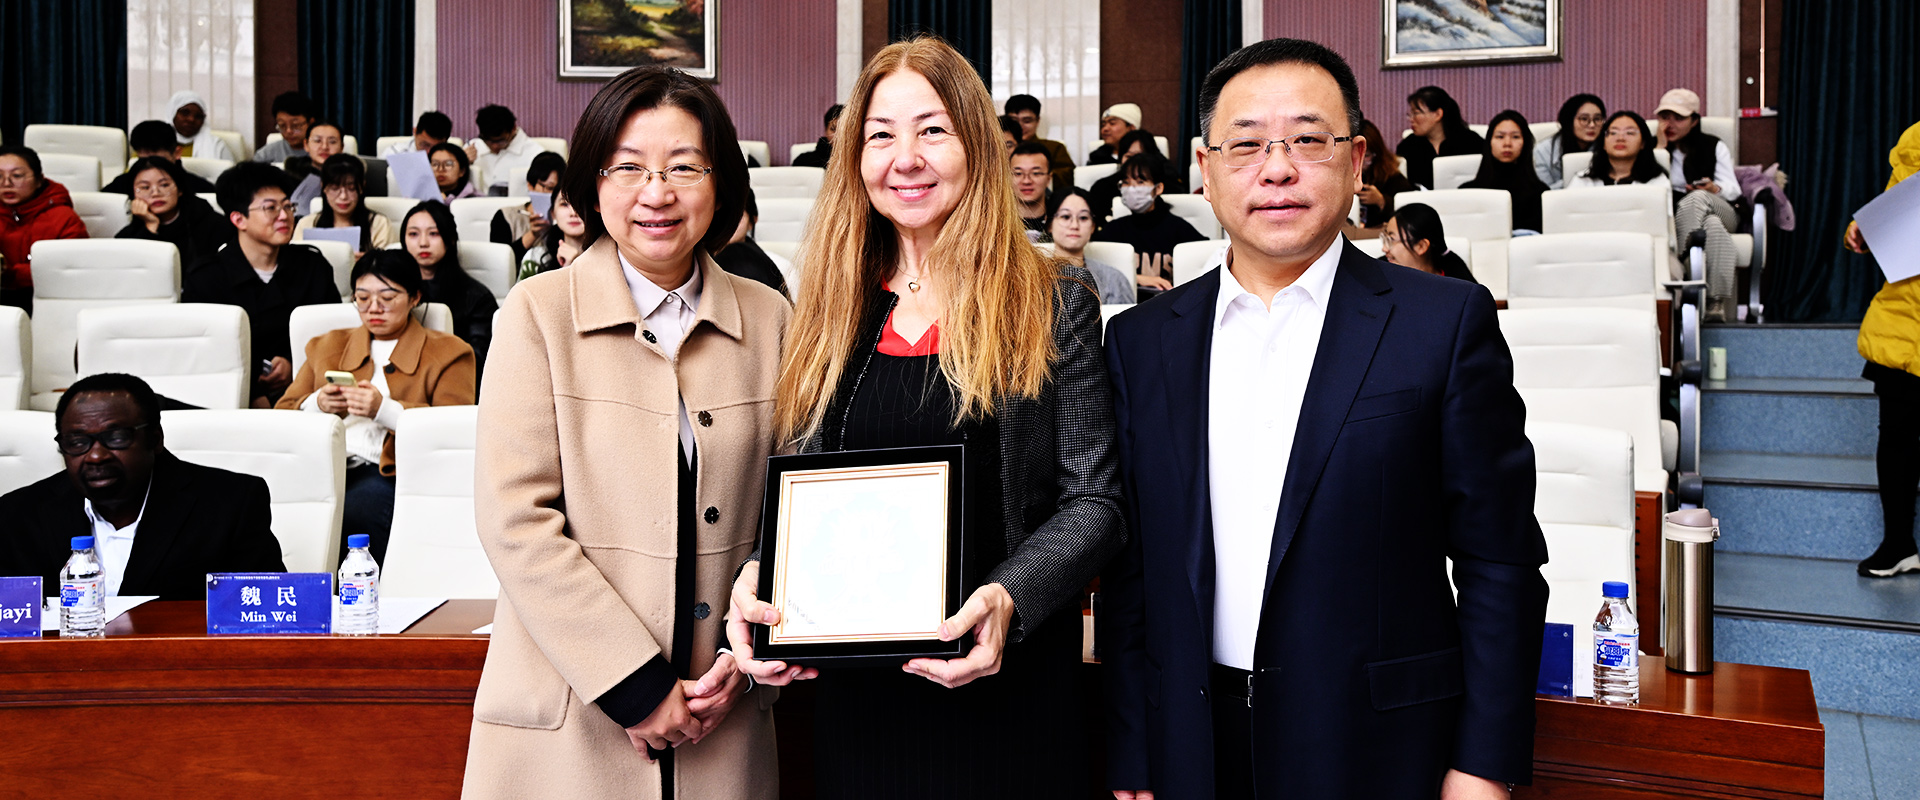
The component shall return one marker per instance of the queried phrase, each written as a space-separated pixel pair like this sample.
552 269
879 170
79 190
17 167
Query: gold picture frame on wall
603 38
1438 33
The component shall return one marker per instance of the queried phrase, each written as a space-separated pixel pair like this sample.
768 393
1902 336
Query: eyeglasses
444 166
11 178
1590 119
1312 147
628 176
78 444
161 187
340 188
275 209
383 300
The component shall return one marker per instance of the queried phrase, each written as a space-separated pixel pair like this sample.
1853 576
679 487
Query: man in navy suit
1307 436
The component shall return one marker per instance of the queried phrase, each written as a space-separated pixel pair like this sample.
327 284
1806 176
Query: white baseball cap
1679 101
1125 112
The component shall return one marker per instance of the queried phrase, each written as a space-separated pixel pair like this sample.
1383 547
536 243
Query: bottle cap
83 543
1613 589
357 540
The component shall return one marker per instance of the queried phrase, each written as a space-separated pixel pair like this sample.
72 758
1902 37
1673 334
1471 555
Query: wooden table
158 709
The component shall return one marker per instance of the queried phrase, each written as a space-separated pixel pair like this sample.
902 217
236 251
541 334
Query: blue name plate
1556 660
20 608
269 603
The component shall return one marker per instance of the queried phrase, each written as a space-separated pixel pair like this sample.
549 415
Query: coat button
706 420
701 611
713 515
650 337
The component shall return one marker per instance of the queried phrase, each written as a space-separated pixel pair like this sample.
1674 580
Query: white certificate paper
349 235
862 554
414 174
1891 226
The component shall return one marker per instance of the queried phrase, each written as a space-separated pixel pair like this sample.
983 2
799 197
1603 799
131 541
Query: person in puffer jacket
1890 341
32 208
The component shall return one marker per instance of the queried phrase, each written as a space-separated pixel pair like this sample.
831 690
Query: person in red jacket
32 208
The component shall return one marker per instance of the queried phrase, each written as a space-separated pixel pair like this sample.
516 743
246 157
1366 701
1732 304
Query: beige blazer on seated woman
586 555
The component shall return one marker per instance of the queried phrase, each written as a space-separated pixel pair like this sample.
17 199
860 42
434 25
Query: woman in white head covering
190 127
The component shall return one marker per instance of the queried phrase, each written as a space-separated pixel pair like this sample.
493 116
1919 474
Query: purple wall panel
776 67
1626 51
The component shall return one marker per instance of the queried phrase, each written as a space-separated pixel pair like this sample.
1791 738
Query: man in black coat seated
160 524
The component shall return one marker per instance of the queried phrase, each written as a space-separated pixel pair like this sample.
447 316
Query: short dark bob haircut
597 136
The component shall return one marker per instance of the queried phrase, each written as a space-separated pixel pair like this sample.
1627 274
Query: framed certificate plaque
863 553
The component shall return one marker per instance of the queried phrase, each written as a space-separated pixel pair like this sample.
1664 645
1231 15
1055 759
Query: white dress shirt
508 165
1723 173
669 315
114 545
1261 359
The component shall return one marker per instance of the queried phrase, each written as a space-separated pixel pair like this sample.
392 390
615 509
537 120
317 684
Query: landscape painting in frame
1430 33
603 38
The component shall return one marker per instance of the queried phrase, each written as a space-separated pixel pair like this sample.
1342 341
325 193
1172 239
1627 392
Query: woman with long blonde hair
926 318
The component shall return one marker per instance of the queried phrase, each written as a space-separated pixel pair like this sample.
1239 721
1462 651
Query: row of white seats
1451 172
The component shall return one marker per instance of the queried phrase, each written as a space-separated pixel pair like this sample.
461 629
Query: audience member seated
1009 133
396 364
343 183
433 128
452 172
430 236
1438 130
1118 120
562 241
1071 224
292 113
260 272
1152 228
154 139
324 140
1415 238
1705 190
1621 156
190 127
822 151
32 208
1106 189
159 524
1505 166
743 257
504 151
1025 109
1030 176
162 212
1380 180
519 227
1580 120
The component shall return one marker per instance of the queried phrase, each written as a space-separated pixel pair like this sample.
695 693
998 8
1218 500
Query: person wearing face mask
428 233
562 241
1117 121
1105 190
1580 120
1030 177
1414 237
1152 228
1071 224
1380 181
1504 166
162 212
190 127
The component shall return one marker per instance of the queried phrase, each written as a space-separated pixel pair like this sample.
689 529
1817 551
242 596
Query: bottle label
1616 650
75 594
356 593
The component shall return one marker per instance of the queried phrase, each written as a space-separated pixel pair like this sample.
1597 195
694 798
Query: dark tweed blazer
1059 471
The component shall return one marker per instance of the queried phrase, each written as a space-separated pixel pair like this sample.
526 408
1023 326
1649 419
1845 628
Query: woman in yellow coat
1890 341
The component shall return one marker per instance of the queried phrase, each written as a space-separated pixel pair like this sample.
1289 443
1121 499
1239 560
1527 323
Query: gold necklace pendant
913 286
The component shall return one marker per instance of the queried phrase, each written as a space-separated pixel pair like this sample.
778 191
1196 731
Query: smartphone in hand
341 379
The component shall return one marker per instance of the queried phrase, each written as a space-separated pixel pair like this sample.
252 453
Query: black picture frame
952 590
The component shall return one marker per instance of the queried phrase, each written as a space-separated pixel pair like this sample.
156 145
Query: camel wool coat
575 493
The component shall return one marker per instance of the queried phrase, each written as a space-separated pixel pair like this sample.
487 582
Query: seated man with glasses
260 272
160 524
396 364
504 153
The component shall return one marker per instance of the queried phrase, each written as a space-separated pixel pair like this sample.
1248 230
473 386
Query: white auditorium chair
196 353
107 145
104 213
1583 499
1196 180
1451 171
1479 129
76 172
74 274
798 150
490 263
1374 248
1482 216
16 358
394 209
1118 255
435 549
1193 259
551 145
1639 208
209 168
758 151
308 322
1108 311
1595 366
771 182
1084 177
236 144
302 455
1543 131
1611 270
1726 129
783 219
339 256
1193 208
473 216
27 454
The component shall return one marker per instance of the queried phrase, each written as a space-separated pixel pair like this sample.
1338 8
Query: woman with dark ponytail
1415 238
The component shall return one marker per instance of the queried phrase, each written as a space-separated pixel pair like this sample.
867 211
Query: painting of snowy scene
1440 32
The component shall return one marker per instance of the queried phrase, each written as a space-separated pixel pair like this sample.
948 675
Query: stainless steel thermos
1687 589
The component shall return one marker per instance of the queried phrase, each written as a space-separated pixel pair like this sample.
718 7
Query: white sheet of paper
542 203
349 236
414 175
1891 226
398 613
484 630
50 613
864 557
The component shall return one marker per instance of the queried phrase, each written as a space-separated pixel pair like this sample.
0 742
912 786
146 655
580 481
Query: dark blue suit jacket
1370 680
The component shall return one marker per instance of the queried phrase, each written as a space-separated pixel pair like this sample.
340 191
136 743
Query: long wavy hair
996 337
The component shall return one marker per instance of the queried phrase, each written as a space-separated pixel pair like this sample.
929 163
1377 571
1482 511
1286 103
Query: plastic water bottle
1616 648
359 590
83 593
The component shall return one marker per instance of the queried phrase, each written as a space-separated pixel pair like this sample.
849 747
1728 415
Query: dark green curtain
356 62
965 24
1848 72
1210 31
65 62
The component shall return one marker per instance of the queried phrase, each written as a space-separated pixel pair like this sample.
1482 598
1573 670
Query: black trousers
1897 458
1232 736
